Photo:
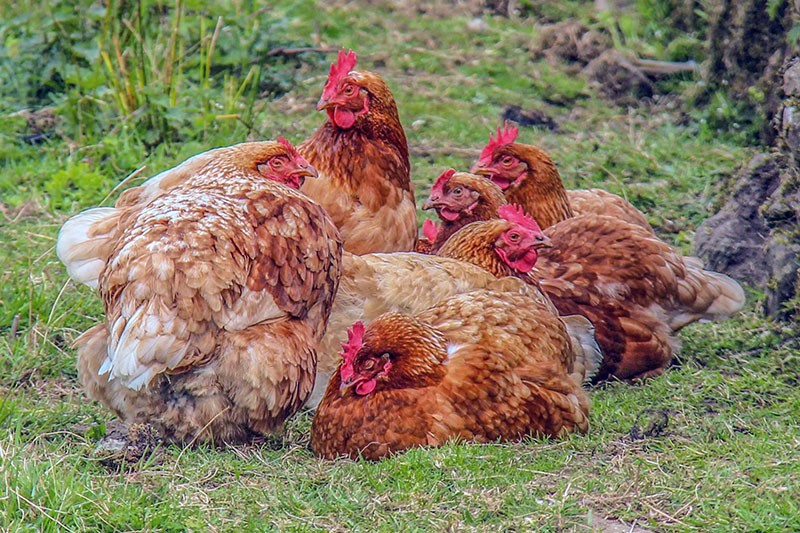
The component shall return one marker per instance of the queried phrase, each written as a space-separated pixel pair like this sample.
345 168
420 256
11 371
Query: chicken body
408 283
481 366
374 284
634 288
216 294
361 154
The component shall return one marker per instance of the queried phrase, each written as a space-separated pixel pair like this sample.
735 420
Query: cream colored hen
217 283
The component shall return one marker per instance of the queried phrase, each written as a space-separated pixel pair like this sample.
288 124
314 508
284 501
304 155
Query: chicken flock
255 279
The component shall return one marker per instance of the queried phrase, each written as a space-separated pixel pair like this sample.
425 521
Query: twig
283 51
651 66
14 326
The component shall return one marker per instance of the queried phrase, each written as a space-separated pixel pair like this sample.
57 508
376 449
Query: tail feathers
92 351
153 339
705 295
589 355
85 241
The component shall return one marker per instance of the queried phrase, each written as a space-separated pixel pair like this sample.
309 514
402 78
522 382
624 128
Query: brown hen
361 154
216 293
482 366
529 178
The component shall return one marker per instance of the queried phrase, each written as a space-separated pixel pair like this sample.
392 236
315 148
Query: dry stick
651 66
14 326
283 51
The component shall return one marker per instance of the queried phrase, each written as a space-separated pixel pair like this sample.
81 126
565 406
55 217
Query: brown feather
365 183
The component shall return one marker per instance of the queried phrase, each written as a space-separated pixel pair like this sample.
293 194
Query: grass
728 457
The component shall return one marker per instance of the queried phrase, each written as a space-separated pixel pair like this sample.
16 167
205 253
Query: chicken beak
431 203
308 171
481 171
543 241
323 104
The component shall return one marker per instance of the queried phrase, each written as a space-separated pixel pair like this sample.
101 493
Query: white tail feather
81 248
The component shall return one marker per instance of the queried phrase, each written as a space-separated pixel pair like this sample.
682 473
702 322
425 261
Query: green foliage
727 117
164 70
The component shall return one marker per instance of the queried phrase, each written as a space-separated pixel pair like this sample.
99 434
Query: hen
216 293
460 198
87 240
361 154
483 366
529 178
635 289
409 283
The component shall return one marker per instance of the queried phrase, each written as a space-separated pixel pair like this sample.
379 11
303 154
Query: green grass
728 458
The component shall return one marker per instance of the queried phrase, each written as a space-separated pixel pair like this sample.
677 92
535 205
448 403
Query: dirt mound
617 78
573 42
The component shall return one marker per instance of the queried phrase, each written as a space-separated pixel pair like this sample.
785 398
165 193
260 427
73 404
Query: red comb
505 136
515 214
430 229
355 339
344 64
286 144
438 185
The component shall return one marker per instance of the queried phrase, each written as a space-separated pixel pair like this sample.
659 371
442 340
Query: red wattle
344 118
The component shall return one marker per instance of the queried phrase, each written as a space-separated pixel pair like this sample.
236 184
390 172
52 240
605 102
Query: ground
710 445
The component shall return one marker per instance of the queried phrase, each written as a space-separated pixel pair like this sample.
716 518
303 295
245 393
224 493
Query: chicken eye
514 236
348 90
277 162
369 364
507 161
457 191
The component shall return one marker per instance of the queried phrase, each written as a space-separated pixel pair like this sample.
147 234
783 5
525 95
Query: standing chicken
361 154
529 179
481 366
635 289
216 294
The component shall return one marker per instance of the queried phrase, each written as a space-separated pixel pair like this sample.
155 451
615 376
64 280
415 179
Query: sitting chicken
361 154
487 365
408 283
216 293
460 198
635 289
529 178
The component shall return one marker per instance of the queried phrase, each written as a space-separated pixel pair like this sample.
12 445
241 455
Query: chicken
87 240
487 365
430 231
216 293
361 154
635 289
460 198
373 284
529 178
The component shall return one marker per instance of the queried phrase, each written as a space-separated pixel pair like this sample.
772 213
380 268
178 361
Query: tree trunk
756 235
